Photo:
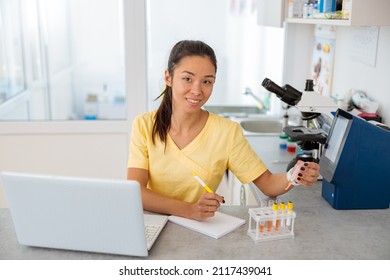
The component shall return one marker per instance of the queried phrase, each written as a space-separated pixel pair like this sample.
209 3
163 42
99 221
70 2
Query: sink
252 120
234 111
262 126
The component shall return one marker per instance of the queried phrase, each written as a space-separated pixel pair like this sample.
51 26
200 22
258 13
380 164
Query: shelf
339 22
363 13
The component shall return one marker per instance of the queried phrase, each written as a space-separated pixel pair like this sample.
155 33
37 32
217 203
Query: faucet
260 104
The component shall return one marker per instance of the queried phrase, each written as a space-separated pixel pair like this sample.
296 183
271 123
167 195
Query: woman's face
192 83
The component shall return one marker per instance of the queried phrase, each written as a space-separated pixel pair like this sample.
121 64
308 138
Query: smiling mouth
193 101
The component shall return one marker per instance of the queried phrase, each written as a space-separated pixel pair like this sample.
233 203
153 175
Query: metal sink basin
262 126
252 120
234 111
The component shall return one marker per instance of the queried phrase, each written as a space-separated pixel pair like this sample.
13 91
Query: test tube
261 227
283 210
269 222
269 225
263 204
276 222
290 207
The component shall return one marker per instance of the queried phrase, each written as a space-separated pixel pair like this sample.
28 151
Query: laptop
85 214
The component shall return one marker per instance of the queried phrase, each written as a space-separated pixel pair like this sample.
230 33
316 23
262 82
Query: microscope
353 153
316 114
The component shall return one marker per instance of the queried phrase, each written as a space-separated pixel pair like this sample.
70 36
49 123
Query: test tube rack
266 224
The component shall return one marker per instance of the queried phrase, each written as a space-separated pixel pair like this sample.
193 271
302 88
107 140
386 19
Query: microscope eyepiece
272 87
287 94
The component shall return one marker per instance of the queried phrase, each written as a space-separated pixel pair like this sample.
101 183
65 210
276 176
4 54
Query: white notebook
215 227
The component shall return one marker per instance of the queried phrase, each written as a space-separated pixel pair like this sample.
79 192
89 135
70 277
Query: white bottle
91 107
290 11
295 8
305 10
346 9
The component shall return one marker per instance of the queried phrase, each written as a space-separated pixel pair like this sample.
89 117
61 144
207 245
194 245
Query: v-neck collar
196 141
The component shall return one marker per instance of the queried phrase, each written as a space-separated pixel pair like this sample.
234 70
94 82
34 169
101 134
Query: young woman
179 139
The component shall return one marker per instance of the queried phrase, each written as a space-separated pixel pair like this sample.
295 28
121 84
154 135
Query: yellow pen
207 188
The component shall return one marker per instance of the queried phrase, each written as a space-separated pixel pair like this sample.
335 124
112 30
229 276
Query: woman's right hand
206 206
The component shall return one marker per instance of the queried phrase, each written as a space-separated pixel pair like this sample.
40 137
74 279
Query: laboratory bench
321 233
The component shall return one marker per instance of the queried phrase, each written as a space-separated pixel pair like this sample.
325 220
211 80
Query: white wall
350 73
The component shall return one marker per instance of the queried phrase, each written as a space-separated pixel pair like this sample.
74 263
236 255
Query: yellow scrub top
221 145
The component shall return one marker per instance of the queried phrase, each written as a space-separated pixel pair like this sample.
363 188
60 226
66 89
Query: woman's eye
208 82
187 79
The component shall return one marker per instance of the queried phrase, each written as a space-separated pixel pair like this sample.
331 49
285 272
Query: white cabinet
362 13
240 194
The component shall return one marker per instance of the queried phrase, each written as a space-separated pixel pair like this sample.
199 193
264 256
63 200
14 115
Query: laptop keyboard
151 232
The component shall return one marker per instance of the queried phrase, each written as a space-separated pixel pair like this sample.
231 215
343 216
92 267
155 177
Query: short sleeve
138 149
243 161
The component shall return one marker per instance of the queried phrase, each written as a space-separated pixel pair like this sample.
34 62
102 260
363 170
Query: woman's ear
168 78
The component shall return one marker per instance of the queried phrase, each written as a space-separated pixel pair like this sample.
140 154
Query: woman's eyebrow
190 73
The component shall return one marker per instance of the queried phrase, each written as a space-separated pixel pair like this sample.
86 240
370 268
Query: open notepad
215 227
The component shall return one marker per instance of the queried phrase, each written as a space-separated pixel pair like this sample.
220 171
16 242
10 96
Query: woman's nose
196 88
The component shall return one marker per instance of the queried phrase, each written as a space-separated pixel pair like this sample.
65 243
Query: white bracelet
290 177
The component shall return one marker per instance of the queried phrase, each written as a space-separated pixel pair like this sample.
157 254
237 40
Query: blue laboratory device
355 164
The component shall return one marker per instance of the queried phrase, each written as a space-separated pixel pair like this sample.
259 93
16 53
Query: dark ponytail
162 122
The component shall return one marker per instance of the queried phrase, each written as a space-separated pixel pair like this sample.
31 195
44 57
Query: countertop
321 233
